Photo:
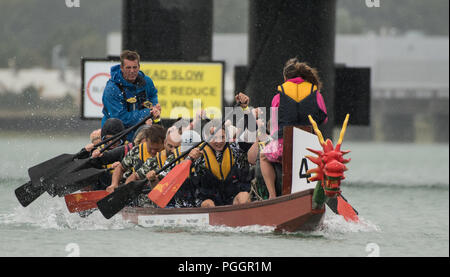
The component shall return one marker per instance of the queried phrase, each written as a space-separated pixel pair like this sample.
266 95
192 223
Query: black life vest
139 101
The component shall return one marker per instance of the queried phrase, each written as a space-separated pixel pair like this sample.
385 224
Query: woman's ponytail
293 68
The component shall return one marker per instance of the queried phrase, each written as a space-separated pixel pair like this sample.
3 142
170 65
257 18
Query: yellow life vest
222 170
297 92
177 153
143 153
161 157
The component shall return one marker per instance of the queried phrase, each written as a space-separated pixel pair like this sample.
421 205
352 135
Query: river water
401 192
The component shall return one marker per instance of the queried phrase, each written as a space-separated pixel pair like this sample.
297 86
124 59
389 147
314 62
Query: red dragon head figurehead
330 161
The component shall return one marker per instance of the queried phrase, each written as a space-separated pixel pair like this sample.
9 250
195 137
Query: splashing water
336 224
53 214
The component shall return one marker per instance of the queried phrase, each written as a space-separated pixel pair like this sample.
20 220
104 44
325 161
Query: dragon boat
290 213
301 207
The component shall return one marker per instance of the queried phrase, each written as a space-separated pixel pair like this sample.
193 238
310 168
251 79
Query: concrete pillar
282 29
168 30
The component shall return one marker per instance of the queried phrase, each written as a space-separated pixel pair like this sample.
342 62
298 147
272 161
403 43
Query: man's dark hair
112 127
155 133
129 55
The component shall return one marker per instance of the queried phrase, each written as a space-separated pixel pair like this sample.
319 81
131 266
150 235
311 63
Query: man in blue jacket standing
129 94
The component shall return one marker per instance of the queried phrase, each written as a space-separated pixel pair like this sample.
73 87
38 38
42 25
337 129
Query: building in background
409 85
50 83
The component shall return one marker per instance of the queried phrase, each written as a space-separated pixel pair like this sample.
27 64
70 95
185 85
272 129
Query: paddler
221 167
134 159
172 142
298 97
112 127
129 94
174 145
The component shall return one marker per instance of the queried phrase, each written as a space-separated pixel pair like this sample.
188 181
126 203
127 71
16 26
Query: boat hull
289 213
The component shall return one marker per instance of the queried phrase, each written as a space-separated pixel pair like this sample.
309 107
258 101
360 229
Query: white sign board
95 76
300 164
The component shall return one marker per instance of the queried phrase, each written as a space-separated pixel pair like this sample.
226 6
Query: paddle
52 166
76 180
82 201
169 185
77 175
43 168
50 169
165 190
31 190
340 206
27 193
346 210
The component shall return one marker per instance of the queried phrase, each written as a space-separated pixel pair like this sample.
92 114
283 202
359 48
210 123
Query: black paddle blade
27 193
122 196
48 168
332 204
66 175
78 180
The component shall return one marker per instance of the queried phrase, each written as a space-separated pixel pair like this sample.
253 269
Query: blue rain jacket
115 103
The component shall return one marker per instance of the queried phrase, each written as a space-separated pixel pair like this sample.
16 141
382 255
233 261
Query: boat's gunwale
226 208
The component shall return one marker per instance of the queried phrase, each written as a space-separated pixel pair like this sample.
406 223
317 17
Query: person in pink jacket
298 97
